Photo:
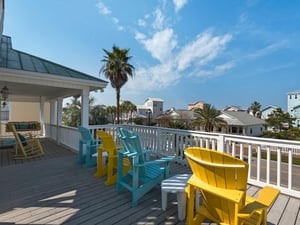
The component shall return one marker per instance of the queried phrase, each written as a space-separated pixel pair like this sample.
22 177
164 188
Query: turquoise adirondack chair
87 158
144 174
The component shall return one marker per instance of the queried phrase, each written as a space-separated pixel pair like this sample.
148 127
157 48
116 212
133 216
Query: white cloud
116 22
153 78
159 19
269 49
179 4
160 45
205 48
102 8
192 60
142 23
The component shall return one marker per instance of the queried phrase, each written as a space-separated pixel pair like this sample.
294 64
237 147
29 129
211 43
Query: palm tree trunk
118 105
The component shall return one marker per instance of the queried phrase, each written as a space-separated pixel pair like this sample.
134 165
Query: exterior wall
254 130
196 105
29 111
266 112
293 103
155 105
251 130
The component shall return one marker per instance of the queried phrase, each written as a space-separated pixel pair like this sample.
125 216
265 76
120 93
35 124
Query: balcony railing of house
271 161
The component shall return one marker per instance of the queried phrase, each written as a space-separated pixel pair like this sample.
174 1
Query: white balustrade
263 155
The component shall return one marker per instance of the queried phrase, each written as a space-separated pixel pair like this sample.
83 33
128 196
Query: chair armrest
157 161
267 195
250 208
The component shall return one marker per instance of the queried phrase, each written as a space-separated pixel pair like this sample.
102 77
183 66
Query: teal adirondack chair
91 148
144 174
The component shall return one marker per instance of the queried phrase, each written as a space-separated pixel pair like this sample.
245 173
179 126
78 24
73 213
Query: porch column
42 111
59 119
52 118
85 107
52 111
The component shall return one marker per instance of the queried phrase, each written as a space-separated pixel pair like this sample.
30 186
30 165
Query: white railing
172 142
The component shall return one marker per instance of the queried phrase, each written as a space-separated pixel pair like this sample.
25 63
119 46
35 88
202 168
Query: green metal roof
14 59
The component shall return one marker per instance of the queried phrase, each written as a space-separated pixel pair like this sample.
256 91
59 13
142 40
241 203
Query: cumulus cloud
160 45
159 19
173 60
179 4
193 59
203 49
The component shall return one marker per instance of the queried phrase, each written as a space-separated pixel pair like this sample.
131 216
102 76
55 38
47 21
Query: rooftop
14 59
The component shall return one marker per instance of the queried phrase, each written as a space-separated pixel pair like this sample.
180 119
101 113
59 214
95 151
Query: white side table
176 185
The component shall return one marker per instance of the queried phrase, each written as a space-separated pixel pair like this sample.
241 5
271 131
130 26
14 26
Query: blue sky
219 52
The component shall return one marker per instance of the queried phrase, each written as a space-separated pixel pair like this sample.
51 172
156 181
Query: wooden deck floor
53 189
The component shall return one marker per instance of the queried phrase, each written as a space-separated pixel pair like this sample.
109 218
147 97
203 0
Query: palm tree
128 108
255 108
111 111
117 69
72 113
208 118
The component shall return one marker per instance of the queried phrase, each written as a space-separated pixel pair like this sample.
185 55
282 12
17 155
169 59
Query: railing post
221 140
158 138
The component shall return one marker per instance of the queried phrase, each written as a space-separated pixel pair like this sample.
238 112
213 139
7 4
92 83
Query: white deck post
59 119
85 107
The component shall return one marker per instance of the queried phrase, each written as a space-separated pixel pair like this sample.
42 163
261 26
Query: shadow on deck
53 189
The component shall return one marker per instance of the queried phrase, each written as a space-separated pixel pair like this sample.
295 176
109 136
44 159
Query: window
234 130
295 96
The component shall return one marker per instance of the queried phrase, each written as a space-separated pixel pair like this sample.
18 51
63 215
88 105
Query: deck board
53 189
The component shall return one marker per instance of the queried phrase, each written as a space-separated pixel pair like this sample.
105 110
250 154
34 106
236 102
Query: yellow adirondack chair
222 181
108 145
28 146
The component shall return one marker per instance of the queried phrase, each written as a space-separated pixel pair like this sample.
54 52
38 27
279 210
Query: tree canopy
208 118
117 69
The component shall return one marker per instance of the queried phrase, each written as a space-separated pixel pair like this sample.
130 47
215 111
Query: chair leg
81 158
181 199
164 200
101 167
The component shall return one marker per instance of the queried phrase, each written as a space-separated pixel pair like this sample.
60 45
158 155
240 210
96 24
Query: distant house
242 123
152 107
265 112
183 115
233 108
196 105
293 103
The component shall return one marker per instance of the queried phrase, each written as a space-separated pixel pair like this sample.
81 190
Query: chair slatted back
218 169
216 172
107 140
86 135
131 142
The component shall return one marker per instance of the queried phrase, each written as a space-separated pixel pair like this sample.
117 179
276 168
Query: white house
266 111
242 123
152 107
293 106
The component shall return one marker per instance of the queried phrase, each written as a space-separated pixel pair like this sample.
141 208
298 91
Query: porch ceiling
32 92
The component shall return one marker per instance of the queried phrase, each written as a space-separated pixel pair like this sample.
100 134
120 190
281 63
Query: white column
52 112
59 119
52 132
42 111
85 107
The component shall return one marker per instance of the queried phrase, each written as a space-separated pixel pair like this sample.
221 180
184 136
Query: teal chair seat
145 173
